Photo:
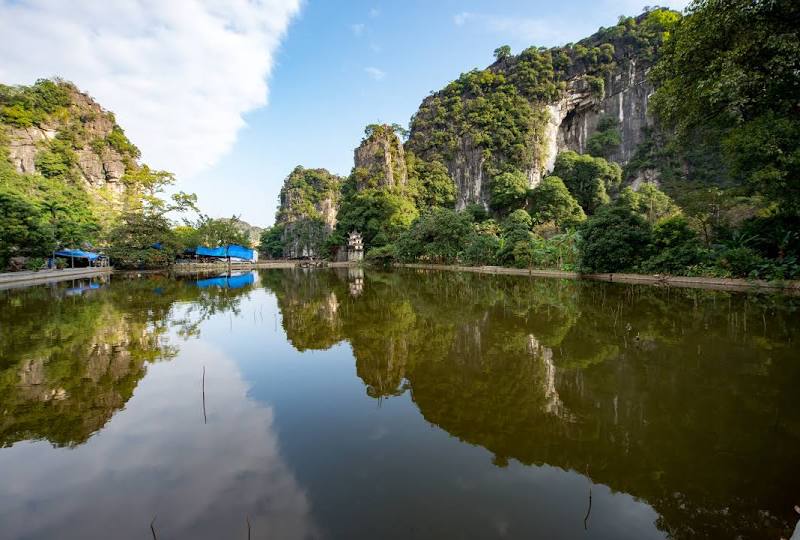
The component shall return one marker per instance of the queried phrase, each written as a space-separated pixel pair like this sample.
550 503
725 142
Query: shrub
614 240
675 247
383 256
480 250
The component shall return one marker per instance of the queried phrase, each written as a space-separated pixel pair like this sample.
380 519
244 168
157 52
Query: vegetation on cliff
711 191
70 178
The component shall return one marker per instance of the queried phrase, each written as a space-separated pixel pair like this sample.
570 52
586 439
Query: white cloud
178 74
357 29
374 12
375 73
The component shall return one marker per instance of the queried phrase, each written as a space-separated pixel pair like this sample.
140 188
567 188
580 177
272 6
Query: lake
411 404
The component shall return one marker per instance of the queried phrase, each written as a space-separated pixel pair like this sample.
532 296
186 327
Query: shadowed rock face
626 99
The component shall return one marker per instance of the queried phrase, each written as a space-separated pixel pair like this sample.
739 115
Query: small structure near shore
355 247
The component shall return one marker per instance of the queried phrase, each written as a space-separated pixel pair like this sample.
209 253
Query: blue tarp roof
226 251
223 282
77 253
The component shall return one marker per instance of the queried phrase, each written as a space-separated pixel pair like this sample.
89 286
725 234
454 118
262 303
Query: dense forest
707 185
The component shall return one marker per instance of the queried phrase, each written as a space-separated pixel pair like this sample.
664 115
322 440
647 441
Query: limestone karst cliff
522 110
309 201
379 161
54 127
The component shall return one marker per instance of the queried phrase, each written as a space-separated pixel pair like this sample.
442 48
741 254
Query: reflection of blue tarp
73 291
233 282
226 251
78 254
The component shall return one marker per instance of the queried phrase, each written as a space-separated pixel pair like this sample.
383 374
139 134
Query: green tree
616 239
589 179
675 247
438 236
135 237
650 202
508 191
729 72
551 202
502 52
220 232
271 242
431 182
606 140
515 229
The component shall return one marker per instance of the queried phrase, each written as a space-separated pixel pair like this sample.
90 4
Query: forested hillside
667 143
70 178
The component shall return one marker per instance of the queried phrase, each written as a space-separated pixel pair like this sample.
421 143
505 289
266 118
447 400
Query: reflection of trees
684 398
68 363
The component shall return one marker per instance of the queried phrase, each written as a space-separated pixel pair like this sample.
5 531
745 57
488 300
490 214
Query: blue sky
232 95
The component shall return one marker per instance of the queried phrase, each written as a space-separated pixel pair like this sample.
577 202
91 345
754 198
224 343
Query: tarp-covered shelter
77 254
233 251
88 258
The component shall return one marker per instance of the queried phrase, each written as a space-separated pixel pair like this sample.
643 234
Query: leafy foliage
729 72
508 191
551 202
616 239
430 183
272 244
436 236
650 202
589 179
606 139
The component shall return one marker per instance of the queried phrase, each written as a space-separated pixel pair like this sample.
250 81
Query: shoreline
721 284
28 278
9 280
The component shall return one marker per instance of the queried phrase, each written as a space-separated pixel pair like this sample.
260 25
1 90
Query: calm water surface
339 404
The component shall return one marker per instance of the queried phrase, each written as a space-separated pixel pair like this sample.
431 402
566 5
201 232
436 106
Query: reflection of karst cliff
70 361
647 390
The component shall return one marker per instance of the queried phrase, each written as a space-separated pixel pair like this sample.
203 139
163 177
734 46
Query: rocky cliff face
518 113
578 113
93 146
309 201
380 159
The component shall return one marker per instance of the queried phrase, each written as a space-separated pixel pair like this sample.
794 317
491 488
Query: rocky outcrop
100 152
309 201
380 159
625 100
521 111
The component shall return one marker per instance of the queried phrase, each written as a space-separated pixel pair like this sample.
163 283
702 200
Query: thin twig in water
153 529
248 528
205 418
588 511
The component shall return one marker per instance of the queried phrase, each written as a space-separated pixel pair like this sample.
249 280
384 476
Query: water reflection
71 354
675 409
198 481
683 398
